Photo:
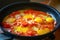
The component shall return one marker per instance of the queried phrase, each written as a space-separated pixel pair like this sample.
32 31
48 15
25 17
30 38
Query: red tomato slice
29 19
51 27
35 23
31 32
24 23
6 25
15 23
32 24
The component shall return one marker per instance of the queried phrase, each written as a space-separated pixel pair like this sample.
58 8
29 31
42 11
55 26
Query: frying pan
25 5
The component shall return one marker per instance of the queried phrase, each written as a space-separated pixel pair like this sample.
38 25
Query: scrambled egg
21 29
49 19
43 31
10 20
26 16
38 19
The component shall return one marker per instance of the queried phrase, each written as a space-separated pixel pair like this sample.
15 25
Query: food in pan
29 22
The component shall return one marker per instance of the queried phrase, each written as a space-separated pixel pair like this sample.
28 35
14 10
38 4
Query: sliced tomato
31 33
15 23
28 11
6 25
29 19
24 23
51 27
32 24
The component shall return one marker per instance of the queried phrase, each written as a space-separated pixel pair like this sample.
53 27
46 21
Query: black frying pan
36 6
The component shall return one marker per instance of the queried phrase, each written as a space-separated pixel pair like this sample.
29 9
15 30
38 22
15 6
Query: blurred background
53 3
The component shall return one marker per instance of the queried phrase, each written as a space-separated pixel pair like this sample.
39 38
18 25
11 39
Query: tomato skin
51 27
32 24
24 23
29 19
31 33
6 25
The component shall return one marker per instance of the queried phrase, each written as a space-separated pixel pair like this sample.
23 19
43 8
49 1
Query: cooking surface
57 6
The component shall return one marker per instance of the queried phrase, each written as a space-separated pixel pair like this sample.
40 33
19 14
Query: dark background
6 2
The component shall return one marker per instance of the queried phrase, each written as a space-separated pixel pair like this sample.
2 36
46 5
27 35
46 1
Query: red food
28 11
31 33
36 13
14 13
29 19
24 23
32 24
6 25
50 26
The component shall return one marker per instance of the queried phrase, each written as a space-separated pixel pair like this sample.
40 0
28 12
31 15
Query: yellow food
10 20
38 19
43 31
49 19
28 16
35 28
21 29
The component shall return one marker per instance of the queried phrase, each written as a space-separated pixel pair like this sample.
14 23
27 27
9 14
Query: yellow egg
25 29
28 16
10 20
49 19
38 19
21 29
43 31
18 28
